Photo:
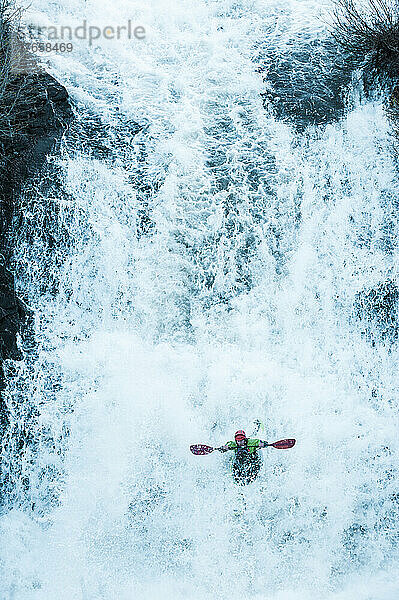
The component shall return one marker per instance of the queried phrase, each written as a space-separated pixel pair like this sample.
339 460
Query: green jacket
252 445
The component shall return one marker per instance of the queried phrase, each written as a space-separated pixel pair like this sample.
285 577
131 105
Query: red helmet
240 435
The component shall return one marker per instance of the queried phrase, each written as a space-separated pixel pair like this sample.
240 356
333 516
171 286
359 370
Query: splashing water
198 265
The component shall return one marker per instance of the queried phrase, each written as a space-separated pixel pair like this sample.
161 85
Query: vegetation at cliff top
9 18
369 32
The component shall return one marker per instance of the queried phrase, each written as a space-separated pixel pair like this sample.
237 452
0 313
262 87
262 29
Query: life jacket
250 448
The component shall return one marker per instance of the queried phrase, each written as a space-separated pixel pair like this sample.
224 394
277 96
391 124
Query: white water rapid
205 265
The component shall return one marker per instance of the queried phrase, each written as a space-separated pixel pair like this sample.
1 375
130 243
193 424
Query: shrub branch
370 33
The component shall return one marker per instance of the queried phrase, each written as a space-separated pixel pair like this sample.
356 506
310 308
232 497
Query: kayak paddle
200 449
283 444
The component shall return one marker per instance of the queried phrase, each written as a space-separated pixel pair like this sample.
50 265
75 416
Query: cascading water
199 265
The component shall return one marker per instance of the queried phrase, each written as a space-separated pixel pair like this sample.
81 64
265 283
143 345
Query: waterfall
198 262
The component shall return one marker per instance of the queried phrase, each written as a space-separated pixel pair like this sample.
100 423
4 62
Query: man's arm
227 446
223 448
263 444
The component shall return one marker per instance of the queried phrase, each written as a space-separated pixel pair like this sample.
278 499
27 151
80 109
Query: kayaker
247 461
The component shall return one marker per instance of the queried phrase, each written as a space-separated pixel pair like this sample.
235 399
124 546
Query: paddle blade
201 449
283 444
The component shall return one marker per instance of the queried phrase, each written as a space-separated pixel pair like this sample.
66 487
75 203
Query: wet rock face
11 313
306 80
34 111
12 316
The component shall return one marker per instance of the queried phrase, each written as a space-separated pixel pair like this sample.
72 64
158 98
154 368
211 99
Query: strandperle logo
86 31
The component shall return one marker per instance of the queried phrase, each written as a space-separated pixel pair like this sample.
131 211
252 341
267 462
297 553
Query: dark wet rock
34 110
306 80
12 311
